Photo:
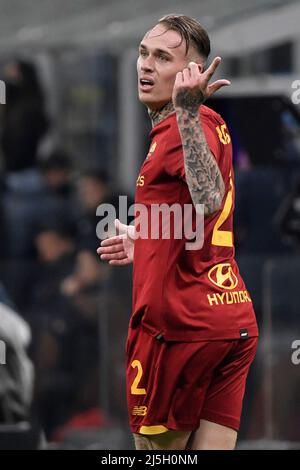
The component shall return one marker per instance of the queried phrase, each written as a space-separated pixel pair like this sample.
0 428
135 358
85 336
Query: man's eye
143 53
163 57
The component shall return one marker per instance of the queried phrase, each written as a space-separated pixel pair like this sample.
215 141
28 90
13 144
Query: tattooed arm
203 176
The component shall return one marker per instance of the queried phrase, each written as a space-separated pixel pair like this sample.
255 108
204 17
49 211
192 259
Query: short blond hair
190 31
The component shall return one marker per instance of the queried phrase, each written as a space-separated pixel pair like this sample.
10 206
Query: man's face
162 54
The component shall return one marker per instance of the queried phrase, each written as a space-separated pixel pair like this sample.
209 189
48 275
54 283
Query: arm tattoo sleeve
203 175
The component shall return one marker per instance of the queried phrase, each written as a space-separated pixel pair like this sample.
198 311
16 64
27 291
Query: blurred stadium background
72 136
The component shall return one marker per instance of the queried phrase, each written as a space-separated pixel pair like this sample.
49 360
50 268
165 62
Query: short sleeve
212 138
174 160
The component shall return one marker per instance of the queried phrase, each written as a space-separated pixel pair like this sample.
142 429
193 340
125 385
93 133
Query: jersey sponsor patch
228 298
222 275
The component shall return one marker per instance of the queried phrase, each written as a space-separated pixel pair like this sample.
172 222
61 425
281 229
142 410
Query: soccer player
193 333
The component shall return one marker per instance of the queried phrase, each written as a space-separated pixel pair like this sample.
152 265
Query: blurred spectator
23 208
257 197
58 193
23 212
83 286
49 314
64 311
23 123
288 216
86 274
24 120
55 243
93 190
56 169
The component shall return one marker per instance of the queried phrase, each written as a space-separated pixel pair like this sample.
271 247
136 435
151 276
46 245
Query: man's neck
159 115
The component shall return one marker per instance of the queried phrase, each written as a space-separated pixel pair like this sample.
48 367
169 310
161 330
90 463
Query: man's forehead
160 36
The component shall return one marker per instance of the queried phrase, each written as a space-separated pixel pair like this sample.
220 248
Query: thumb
217 85
128 230
122 228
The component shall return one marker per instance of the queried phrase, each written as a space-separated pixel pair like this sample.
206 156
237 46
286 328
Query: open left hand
191 87
118 250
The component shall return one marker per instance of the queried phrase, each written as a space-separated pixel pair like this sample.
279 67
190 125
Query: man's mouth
146 84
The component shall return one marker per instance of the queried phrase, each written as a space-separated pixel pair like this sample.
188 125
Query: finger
217 85
122 262
212 68
122 228
131 232
178 79
126 230
110 249
186 75
116 256
194 70
113 240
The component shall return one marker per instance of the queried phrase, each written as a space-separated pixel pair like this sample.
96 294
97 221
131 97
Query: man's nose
147 65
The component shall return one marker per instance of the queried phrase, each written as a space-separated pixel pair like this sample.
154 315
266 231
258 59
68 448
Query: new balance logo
139 410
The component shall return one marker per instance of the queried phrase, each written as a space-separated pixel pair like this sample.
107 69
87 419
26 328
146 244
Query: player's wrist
189 100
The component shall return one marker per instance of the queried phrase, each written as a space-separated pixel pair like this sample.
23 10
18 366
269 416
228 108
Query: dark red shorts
173 385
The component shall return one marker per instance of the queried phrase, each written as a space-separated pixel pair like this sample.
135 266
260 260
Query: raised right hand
118 250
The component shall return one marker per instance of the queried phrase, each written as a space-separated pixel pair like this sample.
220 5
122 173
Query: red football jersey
180 294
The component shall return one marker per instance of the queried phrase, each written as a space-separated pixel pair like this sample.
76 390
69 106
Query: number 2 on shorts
135 390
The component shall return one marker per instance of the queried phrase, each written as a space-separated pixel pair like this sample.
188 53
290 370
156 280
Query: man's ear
201 67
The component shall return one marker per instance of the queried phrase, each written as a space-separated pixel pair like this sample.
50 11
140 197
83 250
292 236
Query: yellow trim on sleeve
149 430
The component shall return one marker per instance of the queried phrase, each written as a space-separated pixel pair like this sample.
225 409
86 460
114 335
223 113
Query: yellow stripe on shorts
150 430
